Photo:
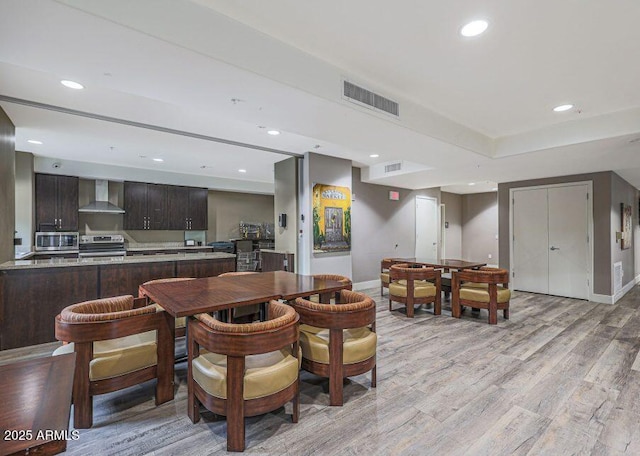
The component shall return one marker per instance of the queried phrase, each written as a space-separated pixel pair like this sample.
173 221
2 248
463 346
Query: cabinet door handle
60 221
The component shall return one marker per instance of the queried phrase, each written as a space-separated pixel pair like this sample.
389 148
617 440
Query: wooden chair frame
403 271
385 264
236 346
83 334
491 276
336 320
325 298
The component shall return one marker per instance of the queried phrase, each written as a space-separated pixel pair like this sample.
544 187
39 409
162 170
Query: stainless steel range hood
101 204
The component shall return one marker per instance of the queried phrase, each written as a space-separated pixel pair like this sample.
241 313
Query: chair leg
235 403
82 399
373 377
390 309
493 312
335 367
505 313
296 404
437 305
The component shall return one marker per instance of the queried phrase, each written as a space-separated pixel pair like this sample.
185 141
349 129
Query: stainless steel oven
61 240
104 245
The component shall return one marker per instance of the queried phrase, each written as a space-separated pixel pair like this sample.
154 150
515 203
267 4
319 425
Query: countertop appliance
56 241
102 245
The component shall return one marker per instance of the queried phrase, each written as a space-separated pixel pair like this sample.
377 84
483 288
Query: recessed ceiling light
472 183
564 107
158 159
374 155
474 28
273 132
242 170
34 141
71 84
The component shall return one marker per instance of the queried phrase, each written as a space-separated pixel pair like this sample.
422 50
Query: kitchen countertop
69 262
180 247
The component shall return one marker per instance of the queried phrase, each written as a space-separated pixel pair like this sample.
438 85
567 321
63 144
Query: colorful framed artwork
331 218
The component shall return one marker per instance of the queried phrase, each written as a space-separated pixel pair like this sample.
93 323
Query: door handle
554 248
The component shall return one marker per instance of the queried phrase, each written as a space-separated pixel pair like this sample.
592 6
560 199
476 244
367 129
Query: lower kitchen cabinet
122 279
204 268
30 299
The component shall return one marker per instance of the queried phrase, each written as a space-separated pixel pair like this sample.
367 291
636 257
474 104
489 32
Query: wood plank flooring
561 377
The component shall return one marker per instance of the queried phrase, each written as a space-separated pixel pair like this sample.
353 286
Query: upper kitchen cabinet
56 203
145 206
188 208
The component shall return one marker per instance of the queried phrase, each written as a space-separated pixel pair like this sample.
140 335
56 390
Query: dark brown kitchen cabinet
30 299
56 203
145 206
187 208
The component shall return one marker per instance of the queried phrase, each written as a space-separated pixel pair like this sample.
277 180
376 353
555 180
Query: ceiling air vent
371 99
393 167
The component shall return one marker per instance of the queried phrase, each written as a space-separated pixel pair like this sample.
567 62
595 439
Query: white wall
25 189
321 169
285 201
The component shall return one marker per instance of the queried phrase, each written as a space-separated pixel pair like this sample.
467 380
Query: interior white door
531 241
551 241
569 241
427 227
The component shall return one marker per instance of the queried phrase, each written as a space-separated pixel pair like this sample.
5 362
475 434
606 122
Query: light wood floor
561 377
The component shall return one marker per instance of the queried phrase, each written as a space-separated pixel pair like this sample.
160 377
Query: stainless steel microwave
57 241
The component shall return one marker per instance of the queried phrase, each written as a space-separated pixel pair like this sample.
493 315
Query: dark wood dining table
213 294
36 401
445 264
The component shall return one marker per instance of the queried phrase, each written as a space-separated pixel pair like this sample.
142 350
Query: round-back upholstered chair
181 322
385 264
484 288
247 369
244 312
326 297
338 340
117 345
415 285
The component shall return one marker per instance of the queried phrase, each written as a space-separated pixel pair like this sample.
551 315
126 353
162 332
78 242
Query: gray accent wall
453 233
285 201
382 228
603 214
622 193
7 187
480 227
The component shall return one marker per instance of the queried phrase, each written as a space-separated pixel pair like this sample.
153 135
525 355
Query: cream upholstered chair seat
115 357
422 289
265 374
119 342
481 294
358 344
384 277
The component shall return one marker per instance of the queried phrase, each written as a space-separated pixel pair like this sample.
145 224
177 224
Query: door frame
437 223
589 185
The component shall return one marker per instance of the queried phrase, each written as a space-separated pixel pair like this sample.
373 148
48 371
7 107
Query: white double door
551 251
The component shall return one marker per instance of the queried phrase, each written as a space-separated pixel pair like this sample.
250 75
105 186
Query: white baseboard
600 298
366 285
607 299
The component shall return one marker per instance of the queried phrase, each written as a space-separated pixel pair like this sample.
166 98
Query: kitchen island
33 292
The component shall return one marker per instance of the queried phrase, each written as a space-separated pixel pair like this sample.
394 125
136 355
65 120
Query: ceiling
198 83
